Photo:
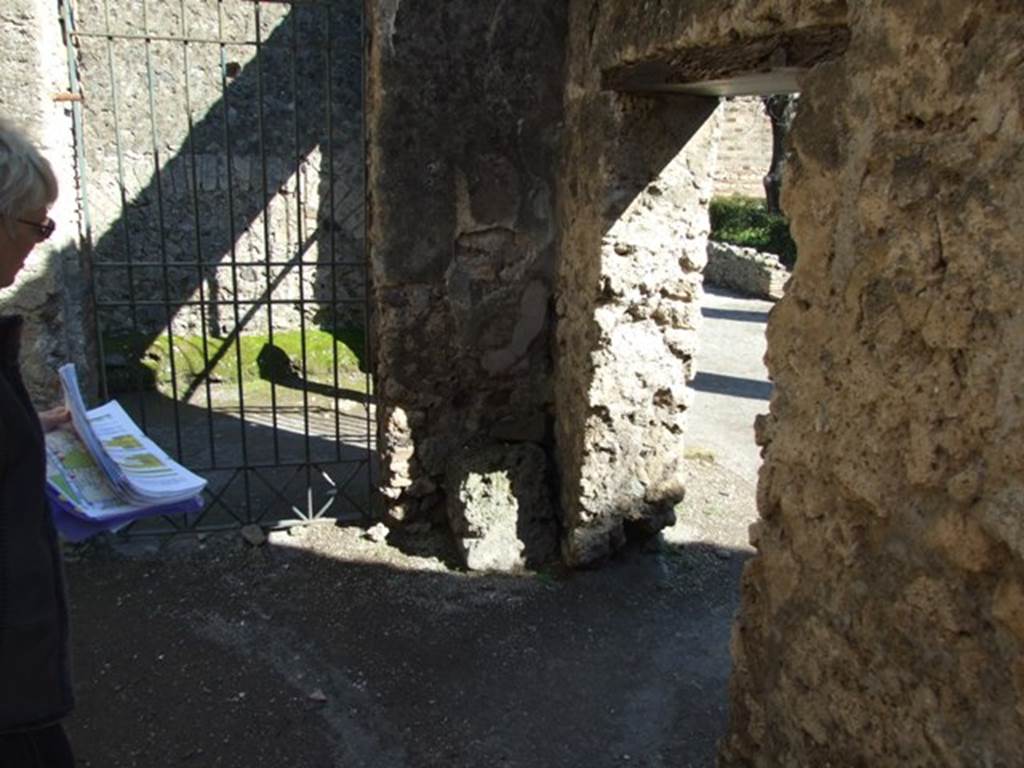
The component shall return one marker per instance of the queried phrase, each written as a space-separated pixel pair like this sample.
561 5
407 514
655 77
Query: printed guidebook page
104 473
137 467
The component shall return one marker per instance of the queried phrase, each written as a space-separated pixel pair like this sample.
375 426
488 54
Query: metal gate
220 162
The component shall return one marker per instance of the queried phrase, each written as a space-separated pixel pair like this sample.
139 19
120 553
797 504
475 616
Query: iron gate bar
266 220
131 264
156 38
298 234
194 190
226 103
364 40
216 498
284 486
126 229
200 264
196 303
157 170
329 113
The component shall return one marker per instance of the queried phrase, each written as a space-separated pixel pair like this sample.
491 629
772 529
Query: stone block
745 270
499 507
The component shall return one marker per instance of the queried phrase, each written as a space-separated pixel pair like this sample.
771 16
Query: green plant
745 221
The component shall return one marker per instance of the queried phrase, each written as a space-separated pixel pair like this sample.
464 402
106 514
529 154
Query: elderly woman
35 686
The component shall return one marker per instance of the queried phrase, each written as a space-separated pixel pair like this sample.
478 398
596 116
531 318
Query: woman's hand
54 418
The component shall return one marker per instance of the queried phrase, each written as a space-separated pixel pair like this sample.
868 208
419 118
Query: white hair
26 178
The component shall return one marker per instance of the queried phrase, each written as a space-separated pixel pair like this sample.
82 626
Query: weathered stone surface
248 173
499 506
462 163
634 218
745 270
880 619
253 535
51 289
745 149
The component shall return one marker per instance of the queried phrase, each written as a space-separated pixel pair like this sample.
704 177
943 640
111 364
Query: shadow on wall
181 224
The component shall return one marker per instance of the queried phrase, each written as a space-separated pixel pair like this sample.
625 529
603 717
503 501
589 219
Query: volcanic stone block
499 506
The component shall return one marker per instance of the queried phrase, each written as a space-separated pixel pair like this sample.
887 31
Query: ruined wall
637 176
745 149
883 618
745 270
464 106
50 290
634 216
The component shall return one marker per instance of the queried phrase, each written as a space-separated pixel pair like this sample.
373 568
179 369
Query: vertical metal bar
85 232
136 334
161 221
225 99
199 241
368 275
300 239
168 317
266 224
329 94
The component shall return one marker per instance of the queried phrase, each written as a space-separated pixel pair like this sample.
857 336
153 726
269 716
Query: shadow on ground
733 386
324 648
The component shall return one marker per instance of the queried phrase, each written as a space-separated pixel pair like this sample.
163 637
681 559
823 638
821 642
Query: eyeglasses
44 228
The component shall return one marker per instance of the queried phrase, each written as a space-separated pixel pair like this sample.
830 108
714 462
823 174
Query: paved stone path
731 386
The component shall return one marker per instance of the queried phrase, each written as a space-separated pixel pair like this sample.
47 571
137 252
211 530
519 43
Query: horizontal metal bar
227 303
226 265
155 38
282 465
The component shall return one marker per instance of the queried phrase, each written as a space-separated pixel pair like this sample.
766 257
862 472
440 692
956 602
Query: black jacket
35 681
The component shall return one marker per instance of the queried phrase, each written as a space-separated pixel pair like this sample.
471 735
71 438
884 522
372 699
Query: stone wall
634 238
745 270
745 149
462 163
883 618
227 231
255 197
50 290
638 172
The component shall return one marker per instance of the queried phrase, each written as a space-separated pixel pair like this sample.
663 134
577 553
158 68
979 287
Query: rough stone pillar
882 620
634 237
464 105
51 290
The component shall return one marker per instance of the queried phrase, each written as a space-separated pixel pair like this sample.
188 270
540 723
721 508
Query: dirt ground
323 647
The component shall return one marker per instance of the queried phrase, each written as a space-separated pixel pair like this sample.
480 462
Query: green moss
137 361
746 222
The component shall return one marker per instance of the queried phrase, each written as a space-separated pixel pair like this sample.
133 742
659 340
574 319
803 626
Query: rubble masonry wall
49 292
882 620
465 109
745 148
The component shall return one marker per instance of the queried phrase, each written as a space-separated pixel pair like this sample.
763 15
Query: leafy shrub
746 222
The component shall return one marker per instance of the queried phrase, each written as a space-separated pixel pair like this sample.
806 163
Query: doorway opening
219 154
